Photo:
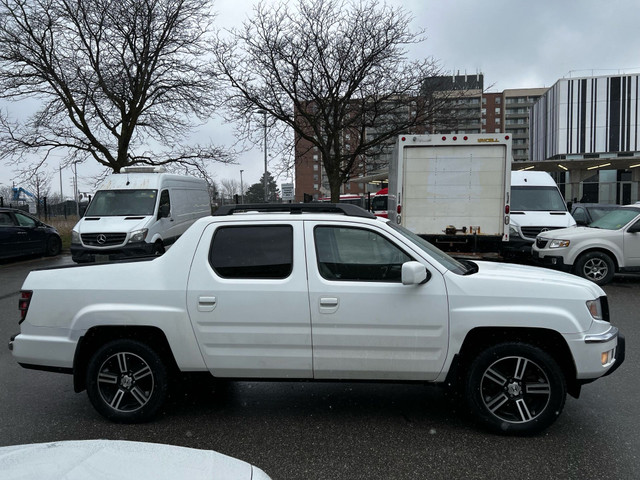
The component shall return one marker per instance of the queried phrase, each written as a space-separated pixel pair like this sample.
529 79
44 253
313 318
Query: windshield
434 252
379 203
616 219
111 203
537 199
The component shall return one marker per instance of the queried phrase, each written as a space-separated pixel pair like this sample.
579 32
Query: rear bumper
43 352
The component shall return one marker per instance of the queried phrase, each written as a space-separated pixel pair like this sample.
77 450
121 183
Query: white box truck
453 190
137 213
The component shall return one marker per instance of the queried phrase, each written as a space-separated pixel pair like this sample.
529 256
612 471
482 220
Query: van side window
356 254
252 252
164 200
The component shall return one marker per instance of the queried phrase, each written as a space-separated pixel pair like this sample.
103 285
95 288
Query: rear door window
252 252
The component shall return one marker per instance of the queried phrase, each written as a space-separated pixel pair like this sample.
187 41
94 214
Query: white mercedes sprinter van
138 212
536 206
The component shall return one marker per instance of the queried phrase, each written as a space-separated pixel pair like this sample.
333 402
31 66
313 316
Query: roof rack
296 208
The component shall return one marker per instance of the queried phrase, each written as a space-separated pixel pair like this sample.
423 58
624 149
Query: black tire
127 381
158 249
54 246
515 389
596 266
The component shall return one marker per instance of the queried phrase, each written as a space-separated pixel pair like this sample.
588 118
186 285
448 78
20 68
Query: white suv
325 292
608 245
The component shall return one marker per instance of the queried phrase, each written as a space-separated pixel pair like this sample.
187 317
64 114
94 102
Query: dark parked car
585 213
21 234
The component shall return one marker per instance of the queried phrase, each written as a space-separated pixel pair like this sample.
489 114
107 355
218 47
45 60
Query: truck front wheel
515 388
126 381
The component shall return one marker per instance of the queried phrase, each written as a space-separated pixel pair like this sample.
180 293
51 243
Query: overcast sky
515 44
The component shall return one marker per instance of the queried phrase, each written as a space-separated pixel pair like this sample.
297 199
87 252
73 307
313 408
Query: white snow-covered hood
120 460
124 224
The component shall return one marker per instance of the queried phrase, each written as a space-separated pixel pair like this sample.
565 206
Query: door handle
206 304
328 304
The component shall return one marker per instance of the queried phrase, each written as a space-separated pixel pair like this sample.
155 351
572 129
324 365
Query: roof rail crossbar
296 208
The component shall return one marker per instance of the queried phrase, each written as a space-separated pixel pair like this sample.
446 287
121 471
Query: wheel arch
609 252
550 341
95 337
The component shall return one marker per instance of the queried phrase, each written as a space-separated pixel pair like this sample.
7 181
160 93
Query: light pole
241 188
75 187
266 193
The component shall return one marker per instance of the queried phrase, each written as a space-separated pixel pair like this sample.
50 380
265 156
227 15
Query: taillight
506 209
399 209
23 303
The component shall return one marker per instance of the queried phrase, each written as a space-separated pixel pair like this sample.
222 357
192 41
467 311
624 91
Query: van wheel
126 381
596 266
158 248
516 389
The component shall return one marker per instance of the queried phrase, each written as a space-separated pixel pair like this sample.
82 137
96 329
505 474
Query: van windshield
112 203
379 202
543 199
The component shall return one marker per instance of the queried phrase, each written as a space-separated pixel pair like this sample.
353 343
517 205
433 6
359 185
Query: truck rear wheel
515 388
126 381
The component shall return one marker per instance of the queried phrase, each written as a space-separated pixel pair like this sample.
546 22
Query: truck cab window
355 254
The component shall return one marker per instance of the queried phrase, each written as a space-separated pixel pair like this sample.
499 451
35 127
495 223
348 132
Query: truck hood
520 276
111 224
543 219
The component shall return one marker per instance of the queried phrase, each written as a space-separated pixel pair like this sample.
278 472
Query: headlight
559 243
75 237
595 309
138 235
513 231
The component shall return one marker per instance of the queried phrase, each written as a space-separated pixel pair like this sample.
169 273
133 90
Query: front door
365 323
248 301
632 247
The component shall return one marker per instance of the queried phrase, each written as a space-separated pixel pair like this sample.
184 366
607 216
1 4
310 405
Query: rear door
366 324
248 300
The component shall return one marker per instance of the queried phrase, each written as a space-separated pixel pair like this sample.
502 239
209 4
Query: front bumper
82 254
552 261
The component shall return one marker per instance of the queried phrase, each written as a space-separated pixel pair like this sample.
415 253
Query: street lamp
266 193
75 187
241 188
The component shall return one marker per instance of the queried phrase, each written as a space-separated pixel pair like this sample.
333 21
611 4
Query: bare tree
39 185
229 187
326 69
119 81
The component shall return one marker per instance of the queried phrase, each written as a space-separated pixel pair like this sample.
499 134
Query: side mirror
635 228
414 273
164 211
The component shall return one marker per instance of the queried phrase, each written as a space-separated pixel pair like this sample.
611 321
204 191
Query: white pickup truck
325 292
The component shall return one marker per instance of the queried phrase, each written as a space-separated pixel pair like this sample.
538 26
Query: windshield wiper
471 267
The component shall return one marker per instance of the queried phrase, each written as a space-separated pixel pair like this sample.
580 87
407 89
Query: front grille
532 232
541 242
103 239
